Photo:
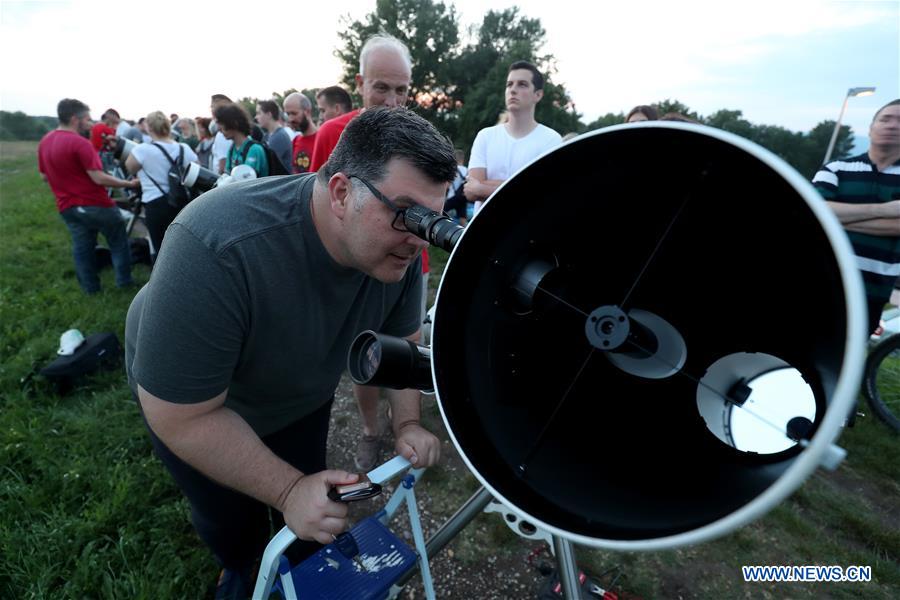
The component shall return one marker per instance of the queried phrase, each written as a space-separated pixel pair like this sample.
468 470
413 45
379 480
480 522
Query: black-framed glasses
399 213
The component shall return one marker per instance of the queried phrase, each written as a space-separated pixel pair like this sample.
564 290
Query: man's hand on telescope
308 511
417 445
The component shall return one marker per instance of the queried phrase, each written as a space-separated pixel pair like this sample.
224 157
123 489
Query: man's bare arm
852 213
107 180
219 443
880 227
478 186
414 442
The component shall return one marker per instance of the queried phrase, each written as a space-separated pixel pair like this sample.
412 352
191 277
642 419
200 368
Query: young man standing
69 164
268 115
499 151
864 193
298 110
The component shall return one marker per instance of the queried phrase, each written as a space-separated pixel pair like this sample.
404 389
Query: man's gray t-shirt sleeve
192 323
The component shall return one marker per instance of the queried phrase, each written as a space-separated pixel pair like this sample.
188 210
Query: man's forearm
853 213
482 190
222 446
405 408
880 227
107 180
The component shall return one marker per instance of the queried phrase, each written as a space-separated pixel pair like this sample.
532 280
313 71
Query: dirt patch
486 560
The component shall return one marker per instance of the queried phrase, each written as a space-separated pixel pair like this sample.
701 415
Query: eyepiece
391 362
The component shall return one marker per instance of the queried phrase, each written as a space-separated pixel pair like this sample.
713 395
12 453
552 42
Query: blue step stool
329 575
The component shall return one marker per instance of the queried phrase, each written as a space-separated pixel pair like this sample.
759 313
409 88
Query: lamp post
857 91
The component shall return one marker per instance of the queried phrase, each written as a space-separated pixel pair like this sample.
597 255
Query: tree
19 126
431 32
480 76
606 120
731 120
674 106
820 136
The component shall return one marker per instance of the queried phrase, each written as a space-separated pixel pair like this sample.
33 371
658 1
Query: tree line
19 126
459 75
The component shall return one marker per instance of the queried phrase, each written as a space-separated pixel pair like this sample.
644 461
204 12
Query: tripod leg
566 568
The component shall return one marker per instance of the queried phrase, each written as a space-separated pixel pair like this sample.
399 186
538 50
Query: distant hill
19 126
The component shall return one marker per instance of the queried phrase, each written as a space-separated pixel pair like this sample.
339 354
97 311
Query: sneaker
368 451
234 584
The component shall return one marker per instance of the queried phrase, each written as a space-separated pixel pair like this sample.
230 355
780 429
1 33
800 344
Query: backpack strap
460 173
247 149
171 162
166 154
159 187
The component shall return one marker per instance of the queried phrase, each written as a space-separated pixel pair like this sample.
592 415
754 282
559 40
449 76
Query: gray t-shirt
244 296
280 143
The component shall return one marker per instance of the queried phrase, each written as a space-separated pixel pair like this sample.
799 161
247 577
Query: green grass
86 511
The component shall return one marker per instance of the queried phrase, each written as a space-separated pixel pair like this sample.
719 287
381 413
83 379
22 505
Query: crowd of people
236 385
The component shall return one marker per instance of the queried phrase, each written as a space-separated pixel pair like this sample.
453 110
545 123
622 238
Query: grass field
87 512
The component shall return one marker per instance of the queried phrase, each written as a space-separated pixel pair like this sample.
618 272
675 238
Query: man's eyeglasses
399 213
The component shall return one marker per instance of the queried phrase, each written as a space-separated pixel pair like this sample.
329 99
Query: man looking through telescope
235 347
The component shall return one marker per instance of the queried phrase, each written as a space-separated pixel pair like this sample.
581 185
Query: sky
785 62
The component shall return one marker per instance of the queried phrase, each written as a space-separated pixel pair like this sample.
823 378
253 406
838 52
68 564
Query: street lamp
857 91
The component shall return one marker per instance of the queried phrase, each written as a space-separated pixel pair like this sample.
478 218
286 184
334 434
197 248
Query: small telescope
200 179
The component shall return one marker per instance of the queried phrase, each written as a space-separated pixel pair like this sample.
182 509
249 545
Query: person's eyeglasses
399 213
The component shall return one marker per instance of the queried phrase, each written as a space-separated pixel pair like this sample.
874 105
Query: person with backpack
456 195
159 165
234 123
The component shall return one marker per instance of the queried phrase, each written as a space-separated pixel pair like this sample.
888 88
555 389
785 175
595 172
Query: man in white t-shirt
501 150
221 146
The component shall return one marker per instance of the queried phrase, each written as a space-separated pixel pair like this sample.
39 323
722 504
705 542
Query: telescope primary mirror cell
717 238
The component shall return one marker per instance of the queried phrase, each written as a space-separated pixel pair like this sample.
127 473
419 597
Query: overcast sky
785 62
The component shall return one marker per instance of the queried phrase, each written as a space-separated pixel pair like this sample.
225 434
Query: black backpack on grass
178 195
99 351
275 166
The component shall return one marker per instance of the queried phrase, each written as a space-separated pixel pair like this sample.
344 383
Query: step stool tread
327 574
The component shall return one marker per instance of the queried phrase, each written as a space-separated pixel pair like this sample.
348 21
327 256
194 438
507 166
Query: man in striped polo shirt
864 192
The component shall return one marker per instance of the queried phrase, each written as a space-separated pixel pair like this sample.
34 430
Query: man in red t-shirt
103 138
69 164
298 110
100 135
